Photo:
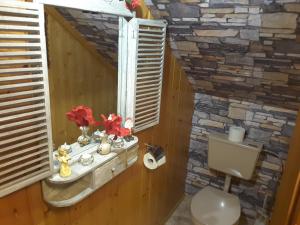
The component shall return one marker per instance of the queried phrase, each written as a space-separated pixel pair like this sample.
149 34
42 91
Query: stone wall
271 126
244 49
243 60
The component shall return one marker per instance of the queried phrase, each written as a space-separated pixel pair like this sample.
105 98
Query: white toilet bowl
211 206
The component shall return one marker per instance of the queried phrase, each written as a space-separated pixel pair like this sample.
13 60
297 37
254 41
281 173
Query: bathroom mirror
94 81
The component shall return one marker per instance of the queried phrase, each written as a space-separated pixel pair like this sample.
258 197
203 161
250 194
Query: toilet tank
236 159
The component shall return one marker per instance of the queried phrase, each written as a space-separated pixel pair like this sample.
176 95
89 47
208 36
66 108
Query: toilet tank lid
248 143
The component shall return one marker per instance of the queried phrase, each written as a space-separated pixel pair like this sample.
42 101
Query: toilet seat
211 206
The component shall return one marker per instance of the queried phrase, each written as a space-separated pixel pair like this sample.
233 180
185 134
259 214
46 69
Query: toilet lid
211 206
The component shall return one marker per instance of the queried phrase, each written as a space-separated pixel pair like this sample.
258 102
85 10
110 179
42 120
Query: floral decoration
132 4
112 125
128 124
82 116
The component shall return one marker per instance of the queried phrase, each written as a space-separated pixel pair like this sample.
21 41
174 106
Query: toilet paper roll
150 162
236 134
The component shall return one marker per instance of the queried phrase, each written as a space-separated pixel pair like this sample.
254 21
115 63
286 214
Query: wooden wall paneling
34 199
295 216
127 201
146 187
14 209
170 115
161 176
164 128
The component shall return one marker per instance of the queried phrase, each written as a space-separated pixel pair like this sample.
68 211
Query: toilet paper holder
154 157
156 151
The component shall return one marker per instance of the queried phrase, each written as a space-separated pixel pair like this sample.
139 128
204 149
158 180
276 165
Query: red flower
82 116
112 125
132 4
124 132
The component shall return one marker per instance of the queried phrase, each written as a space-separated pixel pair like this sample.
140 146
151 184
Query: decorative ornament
105 147
129 125
84 138
132 4
83 118
63 158
97 136
67 147
86 159
112 125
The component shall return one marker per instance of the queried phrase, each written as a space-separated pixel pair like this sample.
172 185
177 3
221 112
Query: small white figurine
129 124
63 158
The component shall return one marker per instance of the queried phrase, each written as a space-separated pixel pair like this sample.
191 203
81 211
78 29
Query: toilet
211 206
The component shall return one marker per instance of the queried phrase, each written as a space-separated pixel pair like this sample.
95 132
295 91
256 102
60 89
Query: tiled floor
182 215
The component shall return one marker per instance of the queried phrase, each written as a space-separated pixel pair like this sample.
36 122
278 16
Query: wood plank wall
136 197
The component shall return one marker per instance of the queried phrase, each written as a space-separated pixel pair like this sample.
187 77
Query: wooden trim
76 34
286 194
295 204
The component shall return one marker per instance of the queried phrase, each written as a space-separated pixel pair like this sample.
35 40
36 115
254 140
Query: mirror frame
114 7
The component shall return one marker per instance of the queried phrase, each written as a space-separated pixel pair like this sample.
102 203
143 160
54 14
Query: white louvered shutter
25 131
146 47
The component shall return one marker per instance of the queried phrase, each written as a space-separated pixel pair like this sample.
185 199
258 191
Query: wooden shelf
62 192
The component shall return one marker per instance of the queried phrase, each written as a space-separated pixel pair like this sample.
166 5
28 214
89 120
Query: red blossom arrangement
112 125
132 4
82 116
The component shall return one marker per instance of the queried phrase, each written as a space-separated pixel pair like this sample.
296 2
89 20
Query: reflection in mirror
82 67
100 29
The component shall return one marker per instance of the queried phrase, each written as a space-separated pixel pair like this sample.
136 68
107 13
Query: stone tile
183 10
217 10
235 41
285 36
212 40
276 76
217 33
252 35
259 135
187 46
211 123
241 9
276 31
237 59
279 20
217 20
292 7
237 113
230 2
254 20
